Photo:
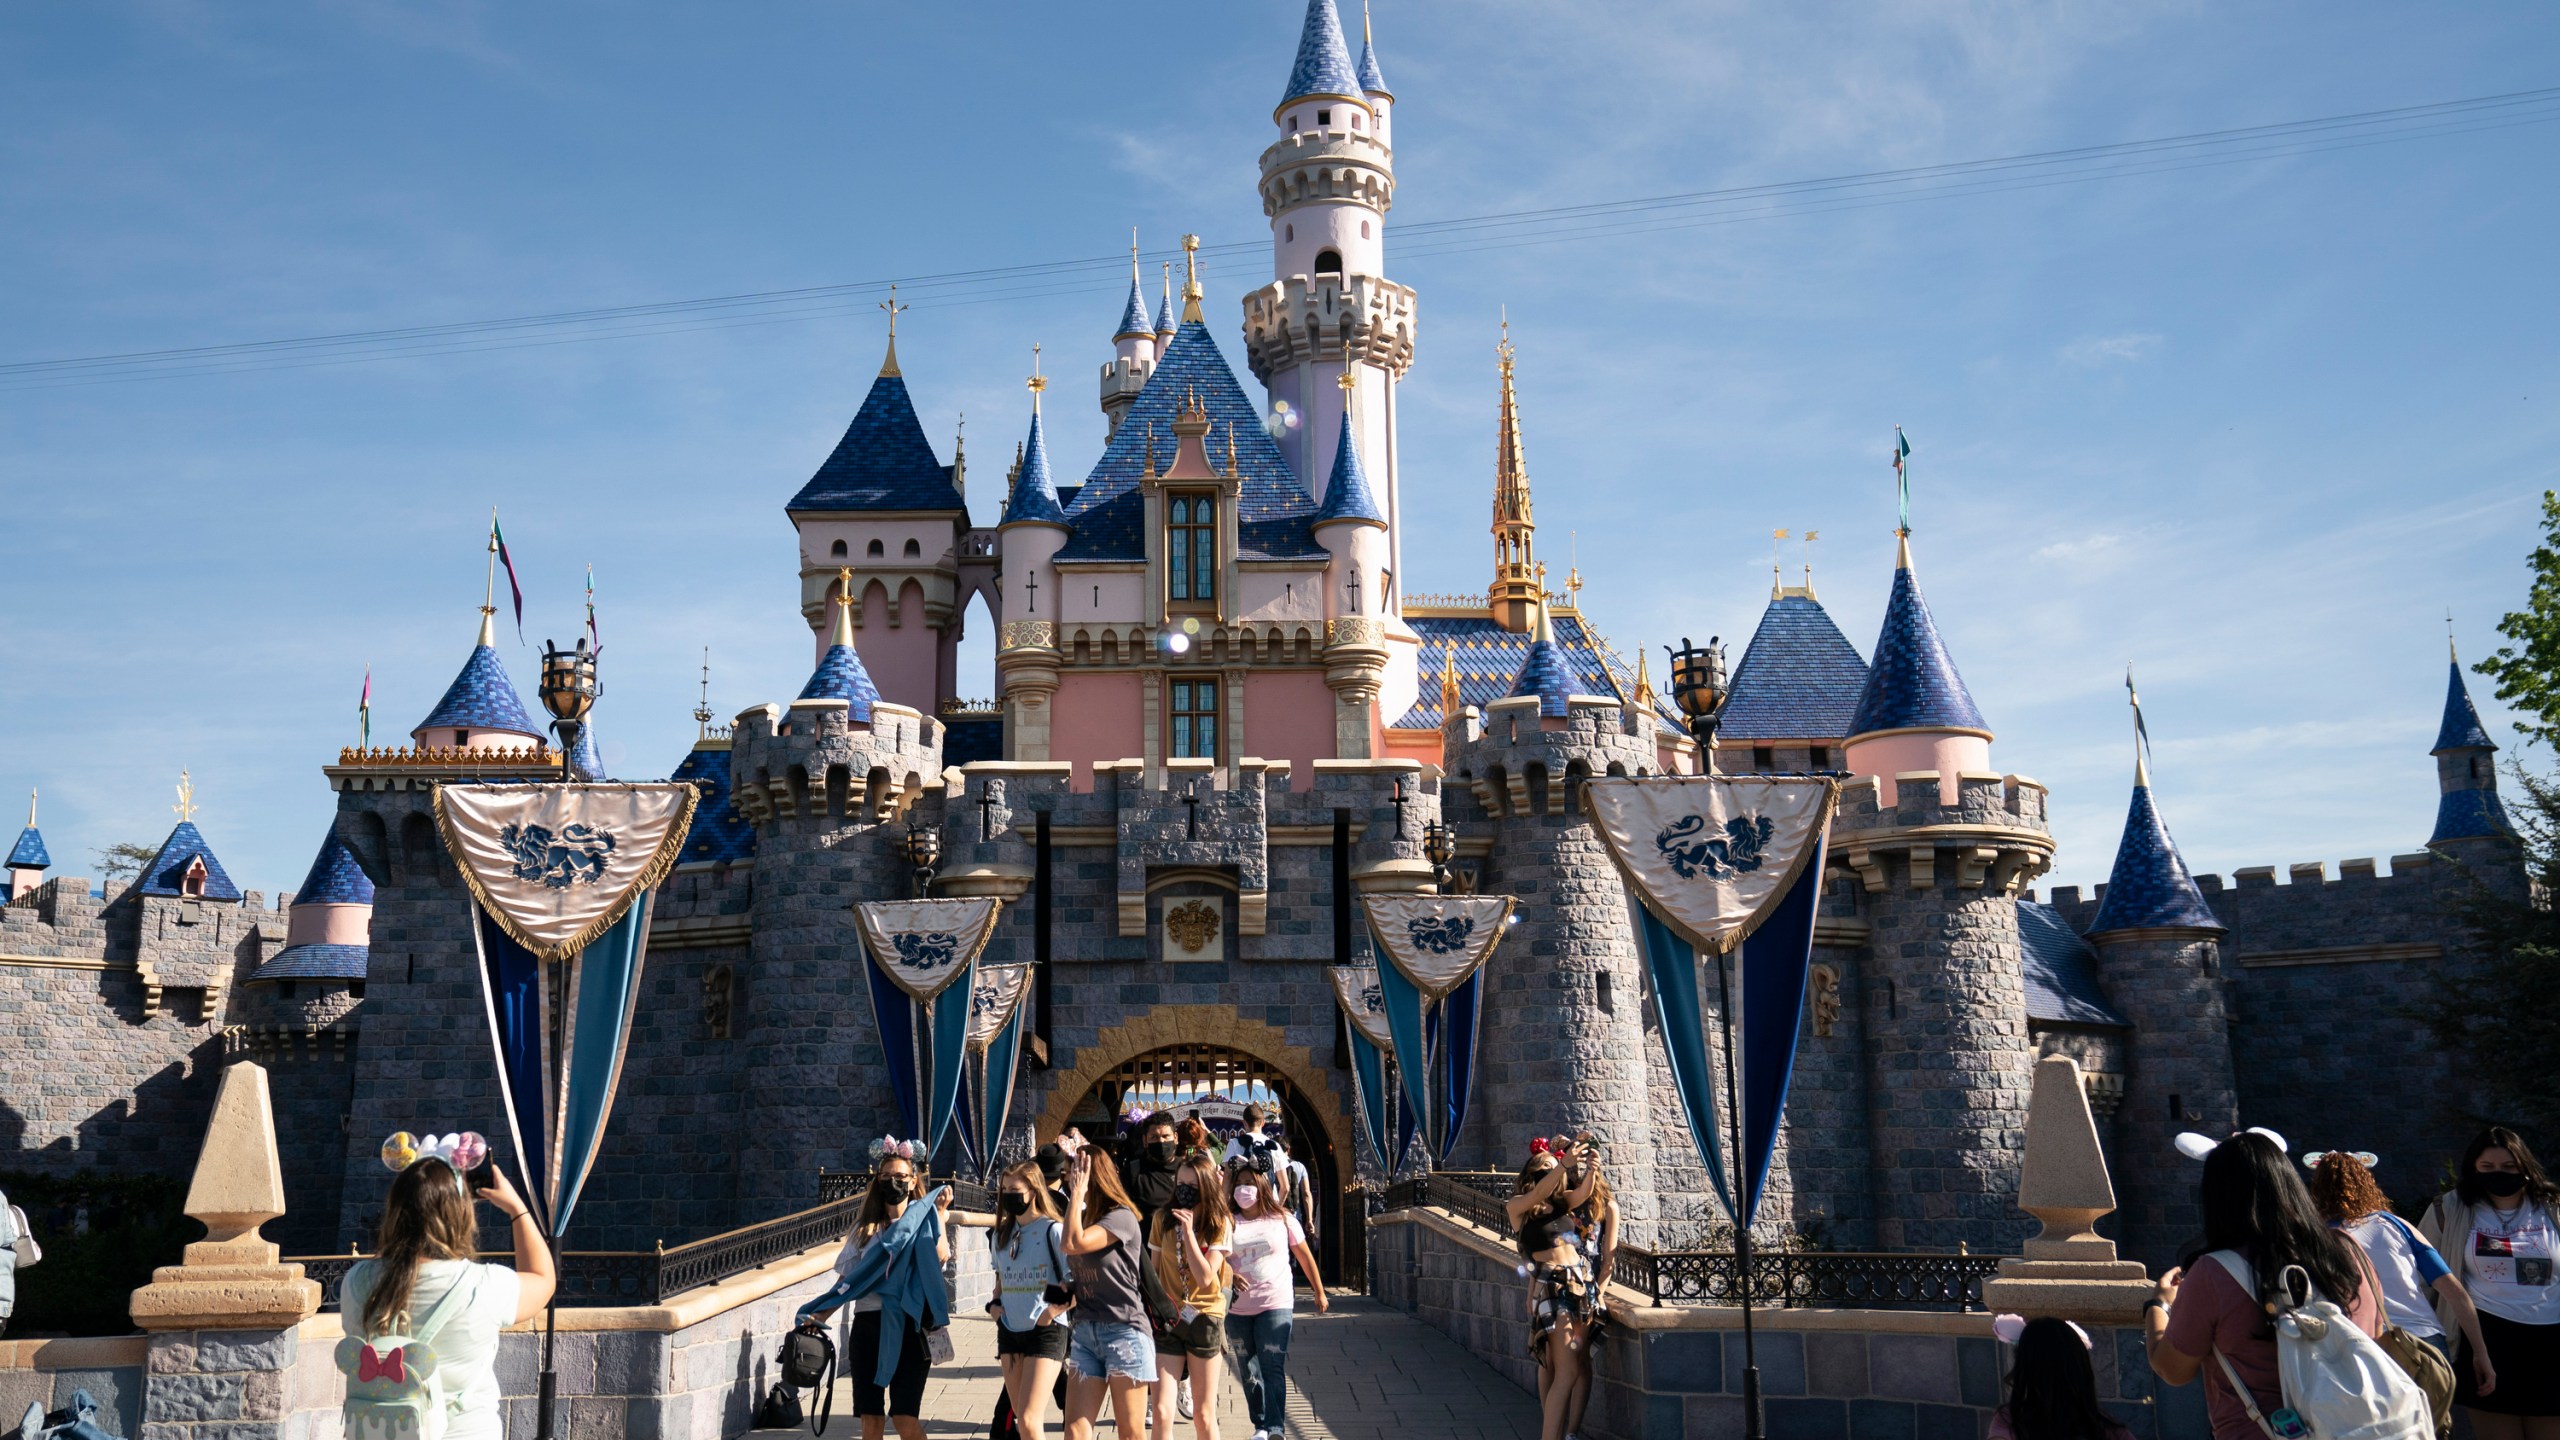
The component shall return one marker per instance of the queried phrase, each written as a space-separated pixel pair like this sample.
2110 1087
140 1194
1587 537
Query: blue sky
2253 427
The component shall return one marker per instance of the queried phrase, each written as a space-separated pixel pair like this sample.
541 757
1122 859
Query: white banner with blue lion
924 945
1437 940
1711 855
556 865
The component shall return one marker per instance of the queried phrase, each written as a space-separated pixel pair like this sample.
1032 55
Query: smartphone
1056 1295
480 1177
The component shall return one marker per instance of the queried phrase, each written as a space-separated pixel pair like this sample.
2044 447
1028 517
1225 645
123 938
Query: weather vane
894 310
186 806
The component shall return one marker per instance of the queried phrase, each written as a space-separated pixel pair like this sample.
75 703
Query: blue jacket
903 1268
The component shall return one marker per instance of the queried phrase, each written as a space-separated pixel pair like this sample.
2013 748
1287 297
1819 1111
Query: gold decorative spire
186 806
1449 699
1038 382
702 707
1644 682
889 362
844 608
1515 574
1190 278
1232 472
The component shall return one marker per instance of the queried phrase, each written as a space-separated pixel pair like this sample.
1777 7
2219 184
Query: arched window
1191 549
1364 229
914 550
1328 262
1288 233
876 550
836 550
1355 119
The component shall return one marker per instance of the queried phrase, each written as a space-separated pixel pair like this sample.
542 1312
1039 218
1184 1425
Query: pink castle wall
1290 717
1096 717
904 659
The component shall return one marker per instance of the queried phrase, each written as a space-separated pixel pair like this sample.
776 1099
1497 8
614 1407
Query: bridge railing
1804 1279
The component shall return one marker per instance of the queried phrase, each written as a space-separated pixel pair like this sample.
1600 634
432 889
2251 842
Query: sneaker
1182 1398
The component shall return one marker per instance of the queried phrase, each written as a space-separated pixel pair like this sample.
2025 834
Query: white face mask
1246 1195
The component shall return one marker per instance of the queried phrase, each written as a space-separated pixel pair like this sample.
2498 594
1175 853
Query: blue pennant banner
1435 948
922 949
996 1016
1456 1042
1364 1019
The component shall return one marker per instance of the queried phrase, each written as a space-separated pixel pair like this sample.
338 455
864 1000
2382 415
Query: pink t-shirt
2214 1313
1261 1261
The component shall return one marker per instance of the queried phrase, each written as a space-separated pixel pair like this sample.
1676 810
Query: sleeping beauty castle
1220 719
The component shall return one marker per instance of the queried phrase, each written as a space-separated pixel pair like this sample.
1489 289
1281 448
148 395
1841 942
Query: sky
2252 426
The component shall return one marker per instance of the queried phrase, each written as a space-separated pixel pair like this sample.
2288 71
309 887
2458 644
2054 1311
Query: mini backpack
808 1362
2337 1383
393 1392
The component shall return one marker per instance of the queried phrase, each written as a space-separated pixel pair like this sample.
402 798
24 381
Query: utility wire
1416 240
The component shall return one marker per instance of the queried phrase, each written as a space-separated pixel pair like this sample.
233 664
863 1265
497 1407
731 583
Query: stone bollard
222 1325
2068 1270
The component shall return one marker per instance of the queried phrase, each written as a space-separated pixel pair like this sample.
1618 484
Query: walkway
1364 1372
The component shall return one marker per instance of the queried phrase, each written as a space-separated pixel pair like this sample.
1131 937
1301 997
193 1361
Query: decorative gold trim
670 851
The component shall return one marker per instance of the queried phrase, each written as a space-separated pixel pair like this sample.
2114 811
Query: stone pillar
222 1324
2168 983
2069 1270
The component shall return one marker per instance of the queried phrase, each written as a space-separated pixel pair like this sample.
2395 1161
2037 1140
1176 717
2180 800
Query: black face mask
1160 1152
899 1189
2502 1183
1015 1203
1186 1196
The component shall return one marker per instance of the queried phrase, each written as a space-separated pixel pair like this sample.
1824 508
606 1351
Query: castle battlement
810 761
1994 834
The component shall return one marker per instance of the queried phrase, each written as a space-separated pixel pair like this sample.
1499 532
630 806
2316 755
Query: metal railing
965 1194
1794 1279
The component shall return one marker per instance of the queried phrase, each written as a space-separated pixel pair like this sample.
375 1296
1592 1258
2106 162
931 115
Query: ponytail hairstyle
426 1217
1034 1179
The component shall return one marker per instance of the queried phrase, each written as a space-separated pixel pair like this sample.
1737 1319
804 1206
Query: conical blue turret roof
1035 490
2150 887
335 878
719 832
29 852
840 675
167 872
1164 315
481 698
1798 680
1371 82
1546 672
1346 494
1913 684
2461 729
883 462
1324 59
1133 316
584 757
2470 815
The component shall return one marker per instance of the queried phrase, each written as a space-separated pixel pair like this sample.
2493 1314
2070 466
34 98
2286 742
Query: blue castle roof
335 878
1324 58
966 742
481 698
2150 887
1164 314
1913 684
1346 494
2470 815
2461 729
719 832
29 852
840 676
1109 514
1546 671
167 872
1371 82
584 757
1798 680
1489 658
882 463
1133 316
1035 493
314 962
2061 970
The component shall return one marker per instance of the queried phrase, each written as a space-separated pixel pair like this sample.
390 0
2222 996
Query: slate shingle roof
719 832
882 463
2470 815
335 878
1490 659
2061 971
1324 58
1346 493
166 873
1913 684
588 760
2461 729
313 962
1164 315
1035 493
966 742
29 852
481 698
2150 886
1371 81
1133 316
1273 508
1798 680
840 676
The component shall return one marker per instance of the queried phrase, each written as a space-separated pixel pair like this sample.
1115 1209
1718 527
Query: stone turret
1564 1035
2471 821
1032 532
2159 962
1134 351
28 859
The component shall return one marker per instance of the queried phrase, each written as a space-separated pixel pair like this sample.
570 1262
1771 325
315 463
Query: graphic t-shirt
466 1348
2214 1313
2506 1263
2406 1264
1026 1265
1261 1261
1209 1299
1107 1279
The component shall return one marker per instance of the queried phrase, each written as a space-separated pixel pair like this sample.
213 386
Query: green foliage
124 861
86 1281
2528 671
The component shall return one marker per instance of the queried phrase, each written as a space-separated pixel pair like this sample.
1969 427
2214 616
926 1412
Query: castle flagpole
1754 1423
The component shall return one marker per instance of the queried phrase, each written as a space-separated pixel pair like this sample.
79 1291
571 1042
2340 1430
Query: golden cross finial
1190 278
894 310
1644 680
1038 382
1502 348
186 806
844 591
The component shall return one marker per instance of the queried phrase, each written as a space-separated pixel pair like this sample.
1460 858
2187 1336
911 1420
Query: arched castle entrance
1173 1053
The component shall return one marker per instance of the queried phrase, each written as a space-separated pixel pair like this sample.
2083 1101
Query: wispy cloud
2092 351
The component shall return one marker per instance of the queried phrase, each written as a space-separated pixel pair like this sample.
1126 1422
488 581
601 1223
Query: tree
123 861
2528 671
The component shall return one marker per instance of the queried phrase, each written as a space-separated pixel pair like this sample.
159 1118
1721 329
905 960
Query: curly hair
2344 1189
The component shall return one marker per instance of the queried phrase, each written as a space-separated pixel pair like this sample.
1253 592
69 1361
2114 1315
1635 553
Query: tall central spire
1514 594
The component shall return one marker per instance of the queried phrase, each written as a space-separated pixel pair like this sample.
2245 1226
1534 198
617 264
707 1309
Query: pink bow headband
890 1147
2010 1327
2196 1147
464 1150
2311 1158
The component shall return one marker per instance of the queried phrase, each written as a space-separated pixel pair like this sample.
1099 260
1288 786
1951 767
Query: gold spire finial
1038 382
843 634
889 362
1573 570
1232 472
31 807
186 806
1514 527
960 457
1349 379
1644 681
702 707
1365 38
2454 654
1151 449
1190 278
1449 698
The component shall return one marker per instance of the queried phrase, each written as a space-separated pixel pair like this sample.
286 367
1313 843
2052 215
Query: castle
1215 695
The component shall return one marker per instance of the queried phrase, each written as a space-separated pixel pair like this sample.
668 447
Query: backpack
808 1362
2337 1383
393 1391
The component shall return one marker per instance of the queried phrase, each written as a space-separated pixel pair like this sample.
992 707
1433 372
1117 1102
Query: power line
1417 240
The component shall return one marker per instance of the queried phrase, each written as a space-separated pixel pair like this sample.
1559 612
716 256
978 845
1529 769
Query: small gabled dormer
1191 522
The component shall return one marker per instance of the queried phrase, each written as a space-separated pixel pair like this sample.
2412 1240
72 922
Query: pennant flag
498 547
1364 1017
1434 945
1455 1058
364 712
1718 864
1902 476
923 947
595 638
995 1042
2141 736
561 879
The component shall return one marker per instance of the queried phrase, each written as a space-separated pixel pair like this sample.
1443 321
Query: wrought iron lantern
923 850
1698 687
1439 846
569 690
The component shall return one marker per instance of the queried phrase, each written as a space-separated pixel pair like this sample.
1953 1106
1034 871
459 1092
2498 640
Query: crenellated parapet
808 764
1367 319
1313 167
1993 837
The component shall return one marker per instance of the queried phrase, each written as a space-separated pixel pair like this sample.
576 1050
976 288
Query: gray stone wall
2178 1077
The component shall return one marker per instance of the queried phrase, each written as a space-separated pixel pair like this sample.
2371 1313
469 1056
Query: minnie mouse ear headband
2311 1158
890 1147
2196 1147
2010 1327
1539 1146
464 1150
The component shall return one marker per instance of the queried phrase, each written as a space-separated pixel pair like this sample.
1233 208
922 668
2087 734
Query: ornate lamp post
569 691
1439 846
1698 685
923 850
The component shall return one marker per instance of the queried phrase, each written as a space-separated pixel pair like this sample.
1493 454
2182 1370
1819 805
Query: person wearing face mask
893 1186
1150 1180
1261 1316
2496 1228
1186 1278
1032 1298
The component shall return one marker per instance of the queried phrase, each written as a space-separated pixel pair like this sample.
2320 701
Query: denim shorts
1101 1349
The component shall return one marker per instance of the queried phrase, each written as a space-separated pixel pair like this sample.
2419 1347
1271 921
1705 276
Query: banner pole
1754 1426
